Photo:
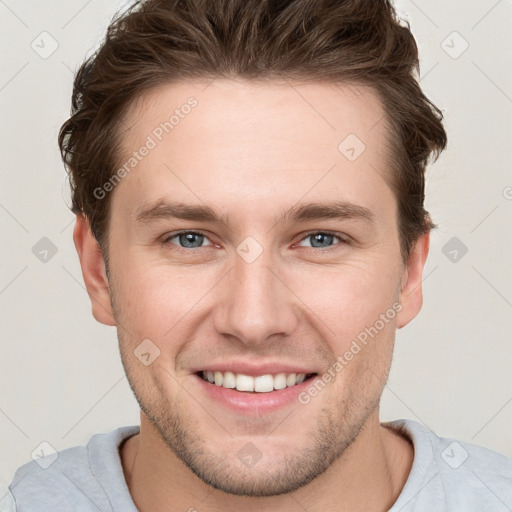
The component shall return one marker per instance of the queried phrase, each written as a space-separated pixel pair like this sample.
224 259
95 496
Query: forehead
247 141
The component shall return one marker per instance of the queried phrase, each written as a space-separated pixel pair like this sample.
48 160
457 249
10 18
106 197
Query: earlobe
93 271
411 295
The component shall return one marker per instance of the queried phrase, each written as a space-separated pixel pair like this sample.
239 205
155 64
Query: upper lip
253 369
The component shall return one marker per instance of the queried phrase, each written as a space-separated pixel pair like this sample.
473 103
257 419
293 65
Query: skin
253 150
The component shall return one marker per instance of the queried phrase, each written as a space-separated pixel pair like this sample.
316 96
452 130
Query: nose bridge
255 303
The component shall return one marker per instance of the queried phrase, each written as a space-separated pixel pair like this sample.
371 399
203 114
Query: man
248 180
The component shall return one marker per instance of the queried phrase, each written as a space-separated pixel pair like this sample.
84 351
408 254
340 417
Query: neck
368 476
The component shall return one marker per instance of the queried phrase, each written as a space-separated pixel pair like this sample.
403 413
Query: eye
322 239
195 240
186 239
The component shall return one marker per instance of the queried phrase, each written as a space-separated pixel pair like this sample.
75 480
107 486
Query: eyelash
343 241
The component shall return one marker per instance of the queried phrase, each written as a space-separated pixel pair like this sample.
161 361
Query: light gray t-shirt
446 475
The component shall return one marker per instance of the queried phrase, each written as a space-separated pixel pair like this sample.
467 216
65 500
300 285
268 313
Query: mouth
259 384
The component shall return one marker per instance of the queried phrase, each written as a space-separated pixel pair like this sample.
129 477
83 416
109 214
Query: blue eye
195 240
319 239
188 239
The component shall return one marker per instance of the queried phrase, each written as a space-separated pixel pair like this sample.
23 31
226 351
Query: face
256 244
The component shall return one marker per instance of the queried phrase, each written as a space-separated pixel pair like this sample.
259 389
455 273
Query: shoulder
455 474
72 477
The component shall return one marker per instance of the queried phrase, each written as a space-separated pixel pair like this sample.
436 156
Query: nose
256 302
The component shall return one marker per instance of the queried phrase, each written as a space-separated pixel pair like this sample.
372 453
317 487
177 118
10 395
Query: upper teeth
261 384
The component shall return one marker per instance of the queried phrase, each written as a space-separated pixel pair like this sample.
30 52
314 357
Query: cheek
157 301
154 301
349 298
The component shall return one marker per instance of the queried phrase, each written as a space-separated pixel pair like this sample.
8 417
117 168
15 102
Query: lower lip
253 403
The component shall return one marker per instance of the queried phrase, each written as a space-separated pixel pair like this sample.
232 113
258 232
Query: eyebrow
341 210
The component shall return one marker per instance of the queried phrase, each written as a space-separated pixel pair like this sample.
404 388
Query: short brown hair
163 41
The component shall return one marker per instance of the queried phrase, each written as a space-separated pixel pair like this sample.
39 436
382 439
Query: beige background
60 372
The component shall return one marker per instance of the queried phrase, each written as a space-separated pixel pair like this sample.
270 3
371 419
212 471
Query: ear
411 294
93 271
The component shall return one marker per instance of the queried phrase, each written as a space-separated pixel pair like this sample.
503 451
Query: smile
259 384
